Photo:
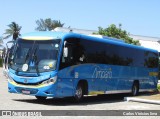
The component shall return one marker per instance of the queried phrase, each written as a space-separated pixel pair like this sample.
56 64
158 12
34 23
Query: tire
135 89
40 98
79 93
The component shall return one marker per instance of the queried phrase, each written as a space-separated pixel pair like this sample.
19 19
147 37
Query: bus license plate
26 92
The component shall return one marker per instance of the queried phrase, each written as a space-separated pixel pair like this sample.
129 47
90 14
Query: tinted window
151 59
103 53
97 52
90 51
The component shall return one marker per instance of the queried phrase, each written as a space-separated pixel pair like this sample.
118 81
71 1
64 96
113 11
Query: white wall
150 44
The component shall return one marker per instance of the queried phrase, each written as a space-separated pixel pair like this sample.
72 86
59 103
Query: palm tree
13 30
48 24
1 40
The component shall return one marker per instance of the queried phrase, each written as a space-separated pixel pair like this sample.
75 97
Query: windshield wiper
27 56
34 58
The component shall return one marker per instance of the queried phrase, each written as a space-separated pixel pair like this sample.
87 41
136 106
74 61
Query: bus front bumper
38 90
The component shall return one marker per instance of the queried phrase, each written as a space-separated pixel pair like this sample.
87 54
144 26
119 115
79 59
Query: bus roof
49 35
43 35
123 44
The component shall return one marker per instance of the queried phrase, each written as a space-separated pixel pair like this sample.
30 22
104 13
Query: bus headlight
51 80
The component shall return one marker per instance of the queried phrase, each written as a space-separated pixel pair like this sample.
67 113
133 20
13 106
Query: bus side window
66 58
73 53
78 53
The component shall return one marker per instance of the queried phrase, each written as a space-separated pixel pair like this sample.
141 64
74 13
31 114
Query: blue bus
58 64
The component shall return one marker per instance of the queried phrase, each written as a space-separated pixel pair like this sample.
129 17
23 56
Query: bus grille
32 91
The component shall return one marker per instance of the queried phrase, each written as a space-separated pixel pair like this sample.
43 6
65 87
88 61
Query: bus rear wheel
79 93
40 98
135 89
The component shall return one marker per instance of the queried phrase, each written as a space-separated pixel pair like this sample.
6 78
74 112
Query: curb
141 100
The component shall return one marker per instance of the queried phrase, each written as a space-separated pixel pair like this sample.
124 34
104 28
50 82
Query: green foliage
48 24
13 30
117 32
158 87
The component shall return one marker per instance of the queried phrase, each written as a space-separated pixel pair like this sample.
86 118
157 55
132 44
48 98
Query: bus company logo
25 81
6 113
102 73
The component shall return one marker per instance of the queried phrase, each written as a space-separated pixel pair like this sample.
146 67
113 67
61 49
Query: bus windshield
35 55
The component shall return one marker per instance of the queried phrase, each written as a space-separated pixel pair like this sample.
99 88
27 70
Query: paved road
108 102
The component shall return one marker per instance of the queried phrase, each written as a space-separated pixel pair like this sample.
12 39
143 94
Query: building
147 41
74 30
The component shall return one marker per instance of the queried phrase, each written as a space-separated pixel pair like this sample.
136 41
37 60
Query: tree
48 24
1 40
13 30
117 32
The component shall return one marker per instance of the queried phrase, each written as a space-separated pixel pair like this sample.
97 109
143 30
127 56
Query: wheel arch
136 82
84 84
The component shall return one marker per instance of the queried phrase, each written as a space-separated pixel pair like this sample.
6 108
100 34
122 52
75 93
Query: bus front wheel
40 98
79 93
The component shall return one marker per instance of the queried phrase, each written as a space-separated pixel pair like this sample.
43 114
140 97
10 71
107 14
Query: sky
138 17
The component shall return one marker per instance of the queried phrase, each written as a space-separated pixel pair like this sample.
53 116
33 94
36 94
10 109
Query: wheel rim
79 93
134 90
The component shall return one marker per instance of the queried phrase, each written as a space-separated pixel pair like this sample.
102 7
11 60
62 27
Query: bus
57 64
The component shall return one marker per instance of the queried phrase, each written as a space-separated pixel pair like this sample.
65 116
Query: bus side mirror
65 52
